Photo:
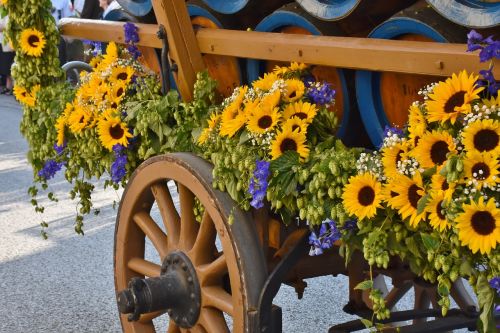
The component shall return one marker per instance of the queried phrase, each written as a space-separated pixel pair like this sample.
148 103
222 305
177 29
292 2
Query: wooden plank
184 51
427 58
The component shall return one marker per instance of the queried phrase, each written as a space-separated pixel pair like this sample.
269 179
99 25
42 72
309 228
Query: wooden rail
427 58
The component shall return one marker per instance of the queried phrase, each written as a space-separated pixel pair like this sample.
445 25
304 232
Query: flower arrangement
430 194
274 141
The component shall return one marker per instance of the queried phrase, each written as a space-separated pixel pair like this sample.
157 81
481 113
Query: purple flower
118 170
490 51
495 284
49 169
473 40
59 149
258 183
328 235
351 225
131 38
321 94
389 131
493 85
134 51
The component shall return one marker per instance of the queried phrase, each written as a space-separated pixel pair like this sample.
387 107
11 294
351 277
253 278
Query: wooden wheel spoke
144 267
213 321
218 298
189 225
148 317
204 244
209 274
153 232
168 212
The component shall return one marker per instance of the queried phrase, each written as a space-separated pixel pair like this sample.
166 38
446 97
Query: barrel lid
469 13
226 6
136 7
329 9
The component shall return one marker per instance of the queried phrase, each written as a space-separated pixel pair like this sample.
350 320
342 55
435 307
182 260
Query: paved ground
65 283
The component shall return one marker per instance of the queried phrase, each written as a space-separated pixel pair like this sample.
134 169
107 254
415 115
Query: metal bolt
170 312
184 266
190 279
192 296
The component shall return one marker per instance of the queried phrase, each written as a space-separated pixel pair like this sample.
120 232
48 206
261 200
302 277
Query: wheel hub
176 291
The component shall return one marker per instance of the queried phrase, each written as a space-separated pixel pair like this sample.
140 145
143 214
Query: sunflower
479 226
362 196
289 140
409 192
110 56
452 98
388 195
232 119
295 123
32 42
4 2
440 184
101 94
297 66
294 90
265 83
416 124
272 99
280 71
117 92
433 147
493 101
302 110
482 136
437 212
113 131
391 155
263 119
212 122
121 74
21 94
482 168
60 127
79 119
95 61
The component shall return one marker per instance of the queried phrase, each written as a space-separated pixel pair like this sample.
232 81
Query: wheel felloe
176 291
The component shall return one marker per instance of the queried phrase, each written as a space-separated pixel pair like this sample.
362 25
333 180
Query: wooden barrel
225 69
469 13
384 98
293 19
356 17
137 8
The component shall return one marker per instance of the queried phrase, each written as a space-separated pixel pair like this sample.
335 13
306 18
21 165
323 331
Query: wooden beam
426 58
184 50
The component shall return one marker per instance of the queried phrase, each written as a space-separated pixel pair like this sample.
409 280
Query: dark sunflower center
394 194
33 40
417 138
116 132
399 155
82 118
265 122
483 223
122 76
439 151
119 92
413 195
114 105
486 140
366 196
292 94
439 210
301 115
481 171
457 99
288 144
445 185
294 127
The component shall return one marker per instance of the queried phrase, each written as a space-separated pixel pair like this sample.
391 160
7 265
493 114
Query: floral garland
431 193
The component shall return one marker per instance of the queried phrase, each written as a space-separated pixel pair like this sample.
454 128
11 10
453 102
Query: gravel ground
65 283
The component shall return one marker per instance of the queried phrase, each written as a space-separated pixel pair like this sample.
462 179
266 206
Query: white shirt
79 5
60 9
112 6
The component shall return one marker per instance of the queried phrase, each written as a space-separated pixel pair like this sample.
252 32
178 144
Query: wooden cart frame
195 285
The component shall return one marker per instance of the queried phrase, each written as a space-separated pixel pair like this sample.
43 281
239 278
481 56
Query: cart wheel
221 282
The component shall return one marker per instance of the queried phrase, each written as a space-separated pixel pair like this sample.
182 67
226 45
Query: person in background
6 59
78 7
61 9
91 10
108 6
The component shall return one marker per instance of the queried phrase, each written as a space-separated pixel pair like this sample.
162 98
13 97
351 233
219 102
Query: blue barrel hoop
469 13
329 9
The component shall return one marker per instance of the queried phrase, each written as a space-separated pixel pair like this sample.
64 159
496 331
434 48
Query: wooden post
184 50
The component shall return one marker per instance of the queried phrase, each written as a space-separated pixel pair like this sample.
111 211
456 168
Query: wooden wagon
213 268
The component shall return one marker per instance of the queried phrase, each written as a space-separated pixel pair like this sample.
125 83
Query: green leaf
413 247
430 242
365 285
368 323
465 268
422 203
244 137
485 298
